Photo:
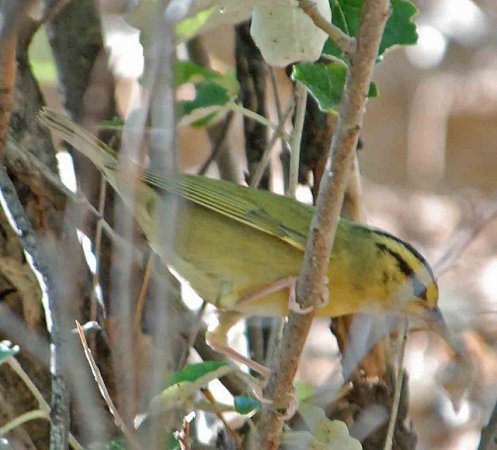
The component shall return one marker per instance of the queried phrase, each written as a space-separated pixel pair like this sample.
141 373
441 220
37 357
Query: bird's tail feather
86 143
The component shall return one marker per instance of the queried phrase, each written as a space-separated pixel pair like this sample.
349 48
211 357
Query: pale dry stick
277 133
105 393
42 403
460 241
398 385
346 43
98 247
310 286
296 138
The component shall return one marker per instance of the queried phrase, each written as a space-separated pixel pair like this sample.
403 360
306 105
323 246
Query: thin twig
142 295
285 152
22 419
460 241
105 393
296 138
345 42
98 248
42 403
264 161
311 283
218 145
394 413
236 437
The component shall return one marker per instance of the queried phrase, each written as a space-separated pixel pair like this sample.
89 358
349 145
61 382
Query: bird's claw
294 306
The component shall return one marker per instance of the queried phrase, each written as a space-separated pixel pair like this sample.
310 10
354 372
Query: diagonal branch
323 227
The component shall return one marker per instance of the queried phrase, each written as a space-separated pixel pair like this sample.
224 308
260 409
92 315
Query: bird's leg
217 340
285 283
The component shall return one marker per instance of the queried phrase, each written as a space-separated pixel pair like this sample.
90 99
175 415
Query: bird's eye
419 289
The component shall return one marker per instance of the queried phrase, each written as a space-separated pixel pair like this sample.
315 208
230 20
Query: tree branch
60 396
323 227
12 14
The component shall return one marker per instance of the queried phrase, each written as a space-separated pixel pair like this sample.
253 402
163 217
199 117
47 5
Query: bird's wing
273 214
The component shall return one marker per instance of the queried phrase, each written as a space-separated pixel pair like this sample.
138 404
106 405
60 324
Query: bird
241 249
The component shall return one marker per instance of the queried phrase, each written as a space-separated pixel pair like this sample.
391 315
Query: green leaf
191 26
325 82
208 94
399 30
213 91
117 444
206 105
246 405
324 434
192 372
7 349
189 72
112 124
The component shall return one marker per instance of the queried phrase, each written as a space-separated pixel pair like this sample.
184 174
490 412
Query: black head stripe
419 289
410 248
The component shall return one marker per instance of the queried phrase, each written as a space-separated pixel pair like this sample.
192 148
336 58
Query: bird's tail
86 143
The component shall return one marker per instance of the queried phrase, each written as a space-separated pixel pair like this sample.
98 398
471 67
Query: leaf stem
257 117
346 43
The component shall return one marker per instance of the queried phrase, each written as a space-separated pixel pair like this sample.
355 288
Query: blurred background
429 163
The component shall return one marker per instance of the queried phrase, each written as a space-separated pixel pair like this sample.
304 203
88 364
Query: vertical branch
11 14
59 431
310 286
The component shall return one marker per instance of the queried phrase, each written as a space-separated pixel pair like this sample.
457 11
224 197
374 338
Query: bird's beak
436 322
434 318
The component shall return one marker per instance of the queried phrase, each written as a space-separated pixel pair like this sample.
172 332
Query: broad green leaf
213 90
323 434
180 395
189 72
399 30
7 349
193 372
209 99
325 82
